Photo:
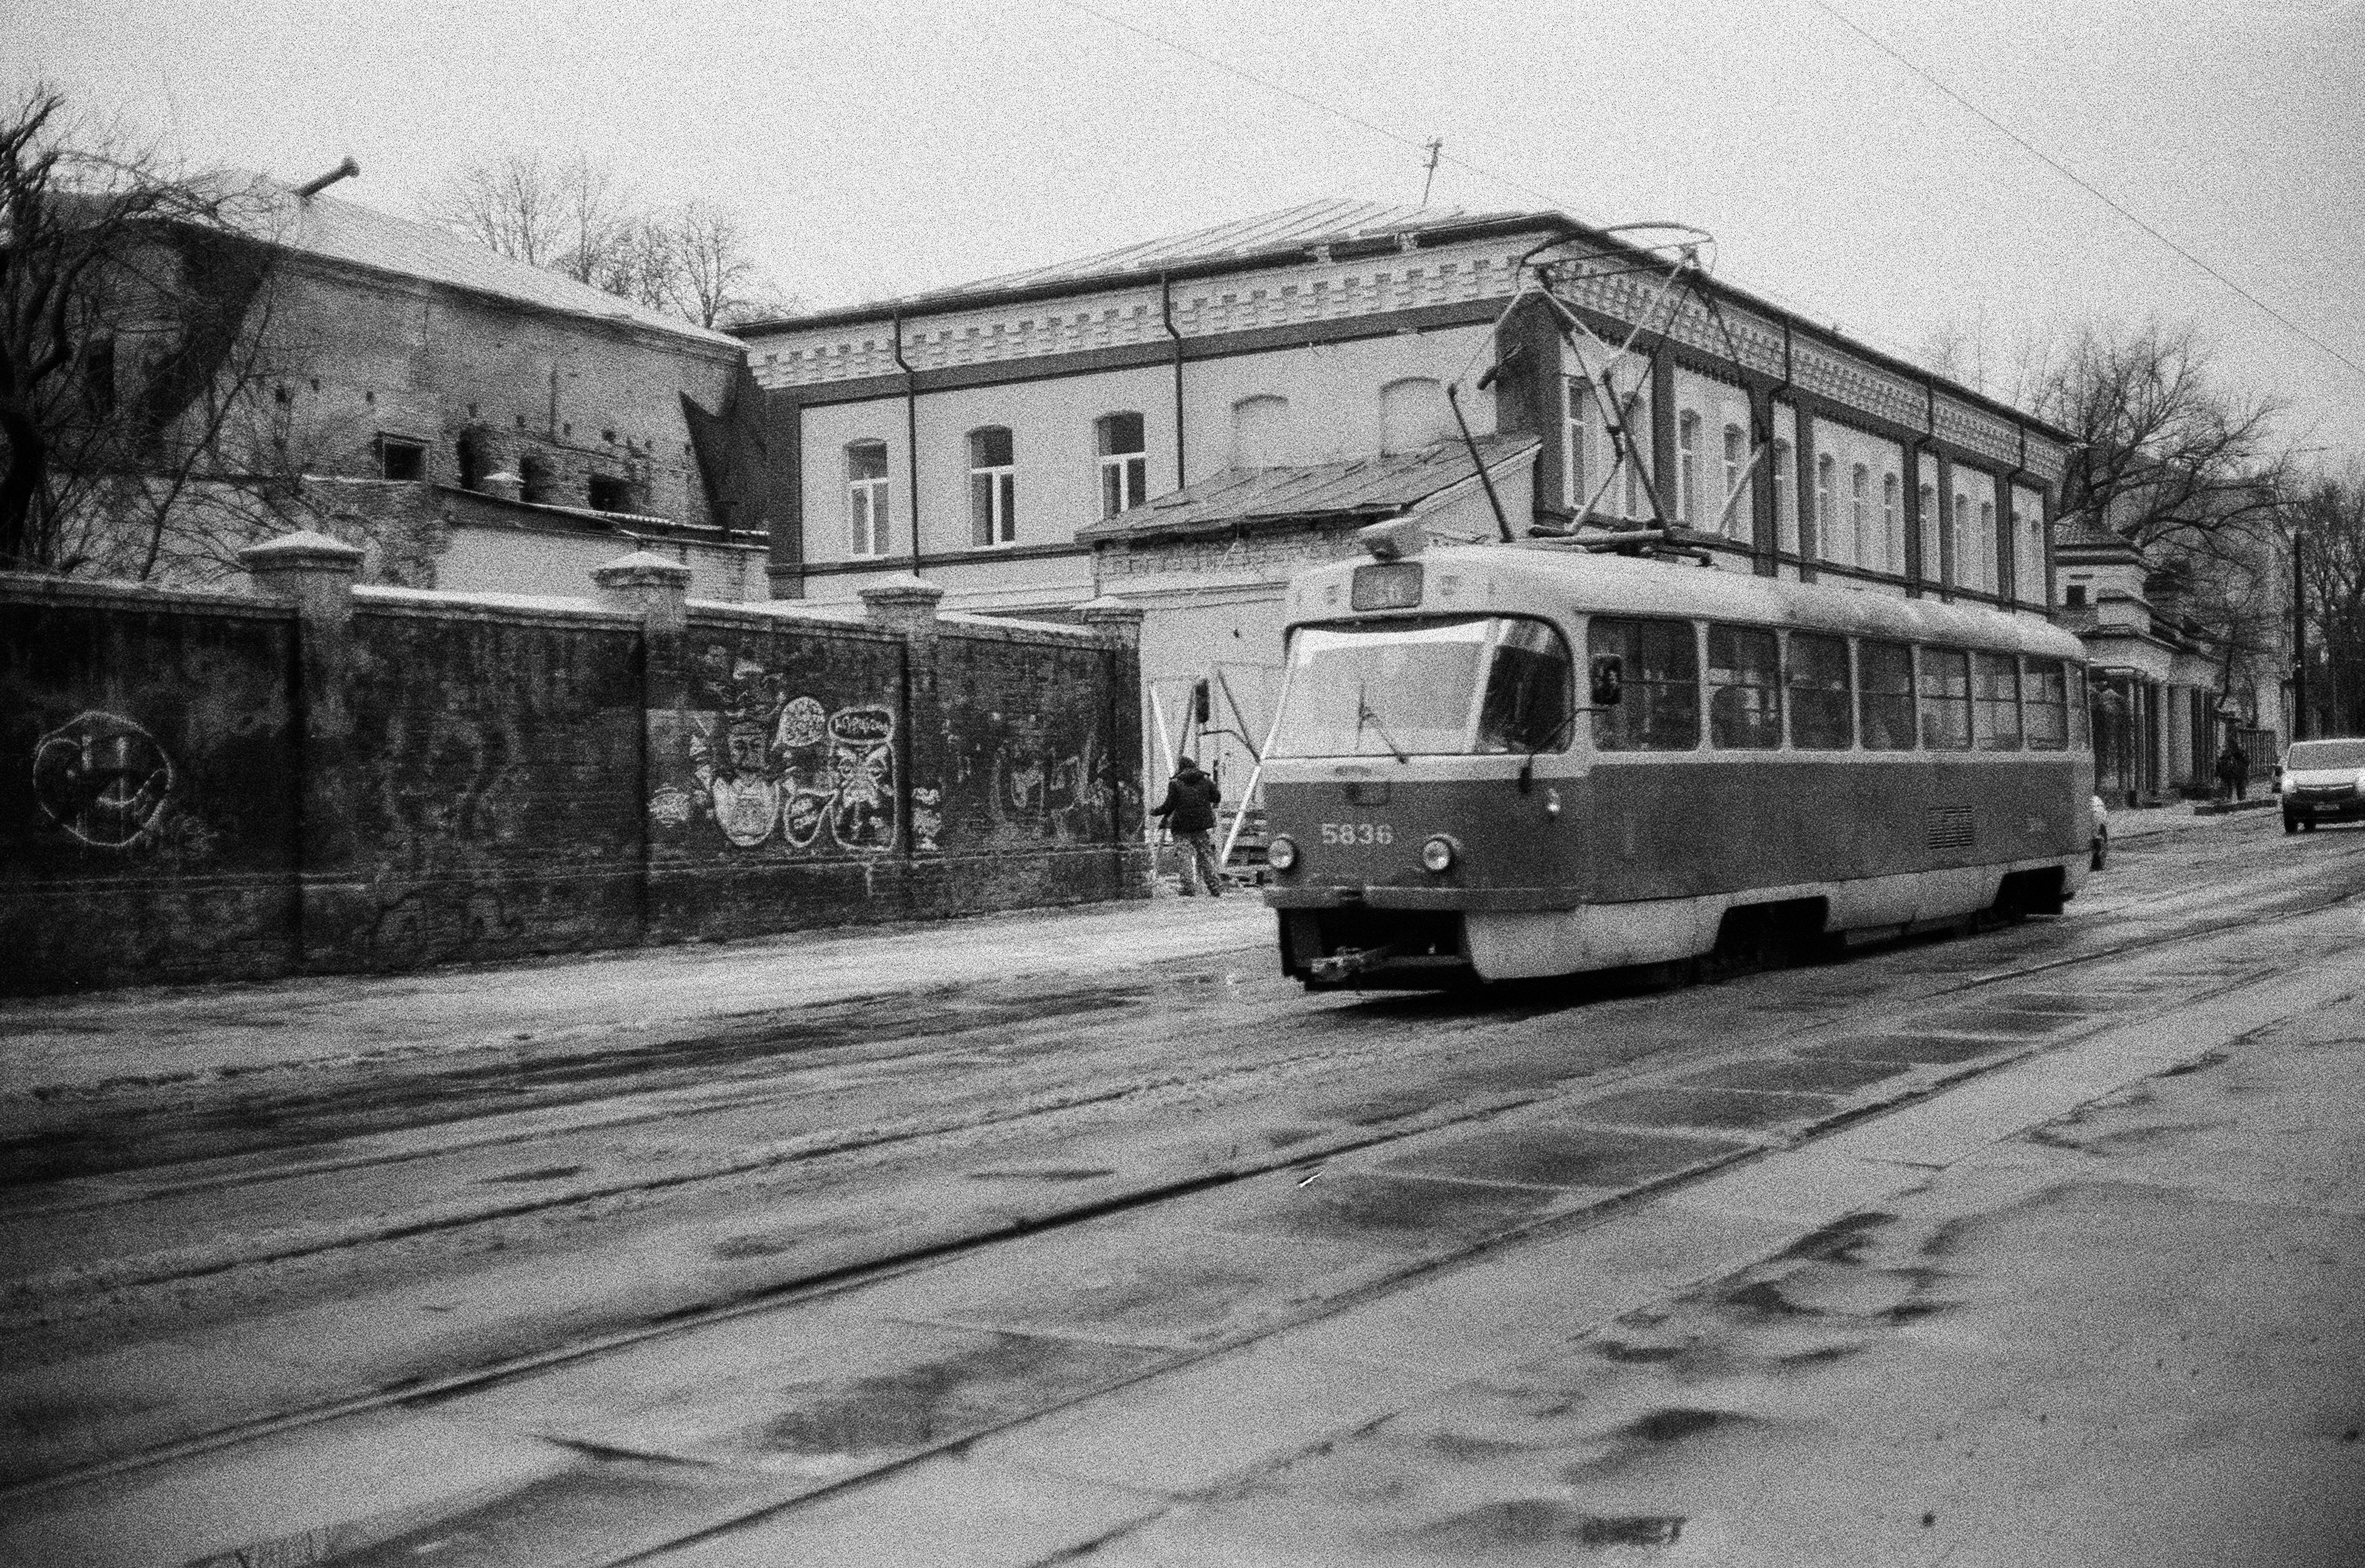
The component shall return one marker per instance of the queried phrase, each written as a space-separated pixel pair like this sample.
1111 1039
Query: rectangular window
865 498
1125 468
1945 690
1884 706
993 488
400 459
1995 701
1744 689
1658 708
1820 707
2044 705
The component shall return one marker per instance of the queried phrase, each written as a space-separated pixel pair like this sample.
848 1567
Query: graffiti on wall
760 762
104 779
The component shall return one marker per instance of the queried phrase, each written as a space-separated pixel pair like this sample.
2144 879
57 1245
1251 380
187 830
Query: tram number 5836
1358 833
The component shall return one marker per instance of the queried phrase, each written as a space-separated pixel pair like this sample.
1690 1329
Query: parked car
2322 782
2100 841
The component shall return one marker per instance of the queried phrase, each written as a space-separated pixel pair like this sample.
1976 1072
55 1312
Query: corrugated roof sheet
1295 229
348 231
1369 487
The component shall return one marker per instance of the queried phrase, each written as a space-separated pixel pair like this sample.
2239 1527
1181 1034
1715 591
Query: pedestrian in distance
2233 771
1189 811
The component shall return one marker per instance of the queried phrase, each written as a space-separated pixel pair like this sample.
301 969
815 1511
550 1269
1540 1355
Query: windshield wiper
1363 715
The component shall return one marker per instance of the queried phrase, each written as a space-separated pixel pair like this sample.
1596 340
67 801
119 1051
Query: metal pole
2299 639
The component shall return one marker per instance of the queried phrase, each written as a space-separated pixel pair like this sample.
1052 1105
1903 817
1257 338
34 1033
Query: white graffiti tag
103 778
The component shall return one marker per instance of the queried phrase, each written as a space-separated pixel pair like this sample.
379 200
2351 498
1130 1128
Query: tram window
1527 706
2044 705
1744 689
1995 701
1660 708
1946 700
1819 708
1886 704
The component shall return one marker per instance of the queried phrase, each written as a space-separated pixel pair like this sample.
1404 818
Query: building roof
1361 489
2081 532
360 236
1288 234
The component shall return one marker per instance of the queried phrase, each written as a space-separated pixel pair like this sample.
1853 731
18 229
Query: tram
1501 761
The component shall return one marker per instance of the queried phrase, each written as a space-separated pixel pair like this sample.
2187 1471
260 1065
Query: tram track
1146 1194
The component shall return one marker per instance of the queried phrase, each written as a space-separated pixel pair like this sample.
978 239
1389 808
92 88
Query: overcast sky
880 149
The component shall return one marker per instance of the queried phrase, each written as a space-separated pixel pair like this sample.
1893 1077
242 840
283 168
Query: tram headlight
1282 852
1440 853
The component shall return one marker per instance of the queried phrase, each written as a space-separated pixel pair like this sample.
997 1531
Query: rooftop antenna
1436 148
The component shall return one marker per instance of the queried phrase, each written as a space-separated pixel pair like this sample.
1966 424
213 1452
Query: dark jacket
1190 802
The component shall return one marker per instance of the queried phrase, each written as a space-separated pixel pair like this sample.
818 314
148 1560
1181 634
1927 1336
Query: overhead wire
2083 184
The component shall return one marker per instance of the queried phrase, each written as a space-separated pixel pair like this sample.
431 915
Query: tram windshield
1443 688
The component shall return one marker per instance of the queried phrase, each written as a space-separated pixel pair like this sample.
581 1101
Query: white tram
1512 760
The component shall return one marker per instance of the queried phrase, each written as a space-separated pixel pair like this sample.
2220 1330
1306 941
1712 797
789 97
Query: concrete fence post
906 604
316 574
657 590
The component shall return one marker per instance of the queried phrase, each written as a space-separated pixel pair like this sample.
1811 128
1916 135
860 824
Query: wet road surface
1176 1162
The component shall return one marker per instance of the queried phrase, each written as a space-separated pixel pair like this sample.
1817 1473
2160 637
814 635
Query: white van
2323 780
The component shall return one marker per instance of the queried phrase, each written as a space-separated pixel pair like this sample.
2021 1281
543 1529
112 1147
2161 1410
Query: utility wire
1435 155
2083 184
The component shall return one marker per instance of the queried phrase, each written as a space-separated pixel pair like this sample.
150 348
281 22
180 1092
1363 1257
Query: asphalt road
629 1281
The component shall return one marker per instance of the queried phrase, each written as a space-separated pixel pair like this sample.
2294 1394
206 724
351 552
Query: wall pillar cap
902 589
303 551
642 568
1109 609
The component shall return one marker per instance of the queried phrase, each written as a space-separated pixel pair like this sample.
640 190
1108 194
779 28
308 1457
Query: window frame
1687 467
2030 674
1609 724
1845 692
1860 510
1988 732
1888 729
389 445
867 497
1827 472
1123 474
992 509
1892 552
1934 665
1726 718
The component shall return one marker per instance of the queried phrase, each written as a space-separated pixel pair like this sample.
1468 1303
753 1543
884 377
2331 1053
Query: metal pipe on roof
344 171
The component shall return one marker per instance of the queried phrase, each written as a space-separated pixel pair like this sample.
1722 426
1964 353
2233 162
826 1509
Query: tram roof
1592 583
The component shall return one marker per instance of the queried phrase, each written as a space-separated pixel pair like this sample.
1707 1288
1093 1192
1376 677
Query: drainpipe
1166 314
910 437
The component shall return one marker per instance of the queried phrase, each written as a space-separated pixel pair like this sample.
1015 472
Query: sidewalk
77 1044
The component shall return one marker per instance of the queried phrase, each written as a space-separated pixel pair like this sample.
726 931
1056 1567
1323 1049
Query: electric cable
2083 184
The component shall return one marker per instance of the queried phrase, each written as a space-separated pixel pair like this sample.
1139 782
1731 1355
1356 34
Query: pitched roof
1288 233
1355 489
360 236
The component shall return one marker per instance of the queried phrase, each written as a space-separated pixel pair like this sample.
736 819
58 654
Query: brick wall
325 777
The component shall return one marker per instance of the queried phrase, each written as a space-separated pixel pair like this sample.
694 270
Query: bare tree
2164 456
2327 518
129 337
575 216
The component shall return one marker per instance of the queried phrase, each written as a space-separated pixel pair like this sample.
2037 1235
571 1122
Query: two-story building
1184 424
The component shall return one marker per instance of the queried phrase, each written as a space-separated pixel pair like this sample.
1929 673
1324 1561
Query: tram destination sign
1395 586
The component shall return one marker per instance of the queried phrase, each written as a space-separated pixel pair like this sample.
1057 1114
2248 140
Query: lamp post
2299 639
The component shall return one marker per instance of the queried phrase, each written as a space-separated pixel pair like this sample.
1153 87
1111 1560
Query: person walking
2233 771
1189 811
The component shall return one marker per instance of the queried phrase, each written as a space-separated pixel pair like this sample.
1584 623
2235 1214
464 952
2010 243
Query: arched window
865 498
1125 467
1860 512
1687 468
1827 471
992 487
1892 537
1259 432
1990 561
1786 511
1966 559
1930 522
1736 465
1413 414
